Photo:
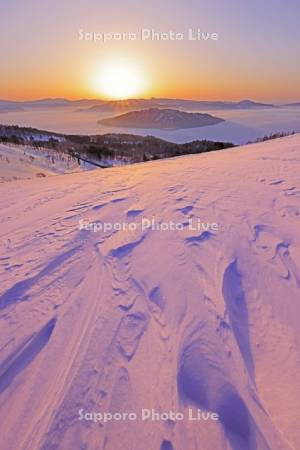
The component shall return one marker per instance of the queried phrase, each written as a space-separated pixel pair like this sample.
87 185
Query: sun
119 80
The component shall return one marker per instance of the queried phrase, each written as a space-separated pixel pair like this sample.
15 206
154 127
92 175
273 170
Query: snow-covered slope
170 320
22 162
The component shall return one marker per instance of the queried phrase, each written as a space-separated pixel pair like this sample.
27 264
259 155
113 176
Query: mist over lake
240 126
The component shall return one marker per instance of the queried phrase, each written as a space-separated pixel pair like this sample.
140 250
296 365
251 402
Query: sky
256 55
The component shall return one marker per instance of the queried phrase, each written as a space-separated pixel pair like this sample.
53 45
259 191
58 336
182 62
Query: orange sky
42 55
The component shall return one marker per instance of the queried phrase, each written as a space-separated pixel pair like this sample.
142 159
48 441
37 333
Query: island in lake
165 119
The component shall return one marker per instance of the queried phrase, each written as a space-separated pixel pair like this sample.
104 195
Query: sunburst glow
119 80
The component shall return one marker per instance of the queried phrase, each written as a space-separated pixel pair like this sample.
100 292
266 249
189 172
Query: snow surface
24 162
170 320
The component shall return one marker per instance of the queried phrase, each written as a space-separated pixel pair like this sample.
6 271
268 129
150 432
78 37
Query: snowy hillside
25 162
198 312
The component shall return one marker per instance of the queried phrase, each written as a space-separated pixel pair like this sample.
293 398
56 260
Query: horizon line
70 99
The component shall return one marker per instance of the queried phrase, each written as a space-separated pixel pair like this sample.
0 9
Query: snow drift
179 320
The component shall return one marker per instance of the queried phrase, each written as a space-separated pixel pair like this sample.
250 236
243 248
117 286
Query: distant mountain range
161 118
99 106
209 105
122 105
48 103
293 104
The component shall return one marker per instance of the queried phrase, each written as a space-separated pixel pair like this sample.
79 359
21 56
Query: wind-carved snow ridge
131 330
181 320
203 381
18 362
236 304
166 445
18 292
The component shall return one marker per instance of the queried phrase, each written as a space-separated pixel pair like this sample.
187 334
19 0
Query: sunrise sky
256 55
